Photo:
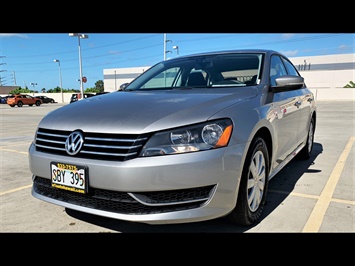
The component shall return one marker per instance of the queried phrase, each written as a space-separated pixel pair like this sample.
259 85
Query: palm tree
350 85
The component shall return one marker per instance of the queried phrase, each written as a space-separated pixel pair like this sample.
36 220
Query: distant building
7 89
320 72
326 71
115 77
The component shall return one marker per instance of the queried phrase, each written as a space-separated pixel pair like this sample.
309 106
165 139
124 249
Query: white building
115 77
325 75
326 71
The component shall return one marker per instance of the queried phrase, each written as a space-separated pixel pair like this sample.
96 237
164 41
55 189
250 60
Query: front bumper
155 190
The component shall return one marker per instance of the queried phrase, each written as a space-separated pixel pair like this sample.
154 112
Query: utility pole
14 77
165 51
2 70
1 78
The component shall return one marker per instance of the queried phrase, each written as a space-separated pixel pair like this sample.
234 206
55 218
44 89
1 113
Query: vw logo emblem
74 143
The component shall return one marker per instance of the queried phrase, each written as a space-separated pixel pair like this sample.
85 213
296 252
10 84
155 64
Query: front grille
128 203
97 146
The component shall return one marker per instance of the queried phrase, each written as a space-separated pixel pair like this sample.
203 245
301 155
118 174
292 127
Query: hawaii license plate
69 177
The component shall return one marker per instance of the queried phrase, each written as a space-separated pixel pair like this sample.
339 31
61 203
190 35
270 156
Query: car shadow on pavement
285 181
219 225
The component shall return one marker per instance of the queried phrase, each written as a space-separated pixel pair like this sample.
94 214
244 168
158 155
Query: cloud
113 52
9 35
344 48
287 35
290 53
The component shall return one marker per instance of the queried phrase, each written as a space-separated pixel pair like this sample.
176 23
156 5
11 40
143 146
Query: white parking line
316 218
14 190
16 151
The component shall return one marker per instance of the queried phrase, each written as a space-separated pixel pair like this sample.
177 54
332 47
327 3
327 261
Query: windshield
203 71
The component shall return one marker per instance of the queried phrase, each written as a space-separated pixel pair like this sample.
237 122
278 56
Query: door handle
298 103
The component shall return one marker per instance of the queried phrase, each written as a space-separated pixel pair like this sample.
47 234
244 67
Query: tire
306 151
253 186
19 104
38 103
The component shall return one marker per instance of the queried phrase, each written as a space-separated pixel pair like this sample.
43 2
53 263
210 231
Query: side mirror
287 83
123 86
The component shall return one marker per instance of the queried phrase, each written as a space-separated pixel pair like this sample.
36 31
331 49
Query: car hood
141 112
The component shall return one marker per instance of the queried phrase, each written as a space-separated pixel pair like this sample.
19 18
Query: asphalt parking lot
307 196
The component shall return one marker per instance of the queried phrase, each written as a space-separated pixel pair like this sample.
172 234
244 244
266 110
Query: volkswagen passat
192 138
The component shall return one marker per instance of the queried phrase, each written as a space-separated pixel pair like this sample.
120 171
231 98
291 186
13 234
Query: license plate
69 177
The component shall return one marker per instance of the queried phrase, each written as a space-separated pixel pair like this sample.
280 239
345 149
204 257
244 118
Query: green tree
56 89
350 85
20 90
99 85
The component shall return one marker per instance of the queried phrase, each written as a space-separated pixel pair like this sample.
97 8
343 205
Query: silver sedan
192 138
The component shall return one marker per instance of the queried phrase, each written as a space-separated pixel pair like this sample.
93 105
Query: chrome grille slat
100 146
115 139
52 135
48 147
110 154
111 147
53 141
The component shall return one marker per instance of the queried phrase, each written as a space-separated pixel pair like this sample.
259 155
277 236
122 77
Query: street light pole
80 36
81 72
33 84
177 49
115 82
60 78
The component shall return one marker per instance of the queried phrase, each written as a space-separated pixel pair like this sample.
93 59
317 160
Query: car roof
265 51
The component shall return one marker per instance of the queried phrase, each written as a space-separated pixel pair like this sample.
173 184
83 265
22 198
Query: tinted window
277 69
290 67
226 70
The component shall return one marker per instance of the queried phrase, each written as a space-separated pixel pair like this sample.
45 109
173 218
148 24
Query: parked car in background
76 96
23 99
46 99
100 93
3 99
193 138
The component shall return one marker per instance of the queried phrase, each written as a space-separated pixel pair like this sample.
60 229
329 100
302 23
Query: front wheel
306 151
253 185
38 103
19 104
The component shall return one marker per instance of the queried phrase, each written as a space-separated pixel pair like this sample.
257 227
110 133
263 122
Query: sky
27 59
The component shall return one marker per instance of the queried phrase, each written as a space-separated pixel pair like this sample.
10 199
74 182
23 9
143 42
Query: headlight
200 137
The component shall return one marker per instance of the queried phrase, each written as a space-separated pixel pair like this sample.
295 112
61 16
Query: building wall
115 77
5 90
327 71
320 72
